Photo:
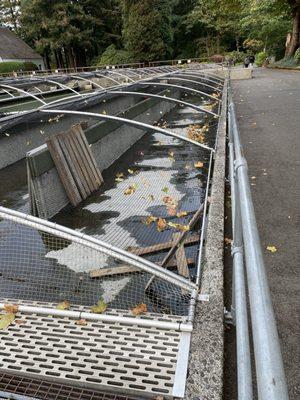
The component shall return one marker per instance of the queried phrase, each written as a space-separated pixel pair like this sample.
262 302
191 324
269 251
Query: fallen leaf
227 240
20 321
130 190
179 226
165 189
198 164
139 309
11 308
119 179
81 322
6 320
64 305
151 197
6 134
100 307
272 249
171 156
131 171
149 220
171 211
181 214
161 224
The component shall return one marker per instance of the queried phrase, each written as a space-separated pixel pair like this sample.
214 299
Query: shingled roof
12 47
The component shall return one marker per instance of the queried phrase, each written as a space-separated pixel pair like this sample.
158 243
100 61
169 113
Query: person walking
251 60
246 62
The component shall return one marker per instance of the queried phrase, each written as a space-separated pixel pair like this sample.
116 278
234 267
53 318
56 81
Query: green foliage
297 56
112 56
236 56
147 28
15 66
253 45
260 58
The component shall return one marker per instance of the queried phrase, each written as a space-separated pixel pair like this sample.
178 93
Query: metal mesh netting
148 196
39 266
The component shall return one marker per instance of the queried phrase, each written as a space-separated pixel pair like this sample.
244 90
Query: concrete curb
205 379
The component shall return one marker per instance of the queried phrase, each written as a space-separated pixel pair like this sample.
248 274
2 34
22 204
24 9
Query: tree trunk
292 42
237 43
218 43
207 42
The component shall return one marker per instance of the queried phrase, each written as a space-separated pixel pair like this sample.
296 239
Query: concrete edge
205 379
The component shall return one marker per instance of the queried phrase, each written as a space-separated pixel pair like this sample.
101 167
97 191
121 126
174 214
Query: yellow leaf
161 224
171 156
181 214
131 171
165 189
151 197
272 249
149 220
11 308
179 226
99 308
119 179
6 320
139 309
130 190
81 322
64 305
198 164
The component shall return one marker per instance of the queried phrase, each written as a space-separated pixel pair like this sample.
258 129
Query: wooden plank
63 170
183 235
182 265
162 246
71 161
77 157
126 269
95 169
92 181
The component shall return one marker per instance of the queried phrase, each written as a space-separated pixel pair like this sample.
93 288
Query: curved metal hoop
166 98
187 89
129 122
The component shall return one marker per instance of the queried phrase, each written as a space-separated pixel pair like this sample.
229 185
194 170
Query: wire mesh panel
36 265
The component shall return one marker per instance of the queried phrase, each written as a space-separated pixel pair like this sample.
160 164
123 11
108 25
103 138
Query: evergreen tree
9 13
147 28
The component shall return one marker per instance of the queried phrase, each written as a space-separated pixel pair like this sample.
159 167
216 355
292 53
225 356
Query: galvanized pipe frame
271 381
188 75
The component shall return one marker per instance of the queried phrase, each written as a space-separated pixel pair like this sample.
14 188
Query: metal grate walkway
120 357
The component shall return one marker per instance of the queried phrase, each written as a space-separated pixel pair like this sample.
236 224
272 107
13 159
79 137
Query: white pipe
177 326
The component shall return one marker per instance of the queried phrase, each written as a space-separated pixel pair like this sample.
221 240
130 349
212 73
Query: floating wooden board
182 264
162 246
127 269
75 164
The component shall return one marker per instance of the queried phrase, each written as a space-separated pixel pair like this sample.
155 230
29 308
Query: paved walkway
268 111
